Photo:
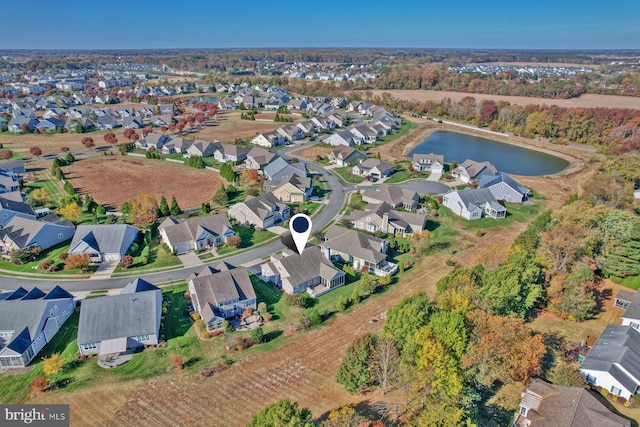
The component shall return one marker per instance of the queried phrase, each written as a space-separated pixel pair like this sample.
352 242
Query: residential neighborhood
147 244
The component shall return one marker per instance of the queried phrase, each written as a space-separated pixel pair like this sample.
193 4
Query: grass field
345 175
248 237
159 256
516 212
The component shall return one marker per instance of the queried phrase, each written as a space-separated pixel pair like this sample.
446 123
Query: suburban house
13 166
346 156
291 132
29 320
202 149
177 145
503 187
474 204
16 124
262 211
294 189
268 139
342 137
22 233
258 158
104 242
308 127
167 109
9 182
118 323
613 362
161 120
297 104
397 197
361 250
383 218
546 405
153 140
129 122
373 167
221 292
296 273
197 233
280 169
230 153
630 301
364 134
11 208
470 171
323 123
106 122
226 104
428 163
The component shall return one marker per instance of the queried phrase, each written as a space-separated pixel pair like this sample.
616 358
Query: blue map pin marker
300 226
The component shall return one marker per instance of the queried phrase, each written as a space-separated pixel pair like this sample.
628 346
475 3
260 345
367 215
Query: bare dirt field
312 152
228 126
586 100
114 180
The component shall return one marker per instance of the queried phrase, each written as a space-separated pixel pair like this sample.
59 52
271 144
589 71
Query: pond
211 99
505 157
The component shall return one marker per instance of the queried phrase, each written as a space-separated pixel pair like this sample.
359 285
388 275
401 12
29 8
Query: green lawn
176 321
632 282
309 208
159 257
52 253
248 237
344 173
402 130
399 176
265 292
516 212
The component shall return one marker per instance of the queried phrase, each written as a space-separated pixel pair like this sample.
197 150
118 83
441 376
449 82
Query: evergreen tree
175 209
164 206
353 372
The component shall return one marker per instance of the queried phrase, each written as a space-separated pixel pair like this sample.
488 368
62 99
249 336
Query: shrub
44 265
296 300
234 241
178 363
257 335
39 384
262 307
479 233
63 256
604 392
126 261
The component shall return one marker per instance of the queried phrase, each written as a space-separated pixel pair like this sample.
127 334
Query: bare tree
384 358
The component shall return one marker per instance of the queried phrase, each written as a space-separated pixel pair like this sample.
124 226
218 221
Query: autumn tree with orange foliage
78 261
501 349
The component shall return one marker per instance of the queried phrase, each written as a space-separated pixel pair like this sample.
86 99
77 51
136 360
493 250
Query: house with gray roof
13 167
428 163
202 148
309 272
16 124
153 140
383 218
613 362
11 208
177 145
21 233
258 158
470 170
9 182
29 320
221 292
268 139
293 189
373 167
343 155
474 204
197 233
503 187
103 242
364 134
546 405
291 132
115 324
280 169
630 301
396 196
342 137
360 250
263 211
231 153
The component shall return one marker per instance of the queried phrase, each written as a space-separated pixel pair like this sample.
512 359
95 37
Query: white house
474 204
613 362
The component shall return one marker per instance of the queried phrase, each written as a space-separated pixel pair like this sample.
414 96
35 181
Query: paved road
336 198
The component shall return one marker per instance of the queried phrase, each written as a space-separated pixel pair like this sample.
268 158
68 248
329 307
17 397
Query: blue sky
499 24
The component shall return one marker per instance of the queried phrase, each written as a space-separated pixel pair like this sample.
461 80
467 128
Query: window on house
145 337
90 346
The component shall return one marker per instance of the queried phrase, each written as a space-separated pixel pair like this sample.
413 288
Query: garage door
183 248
